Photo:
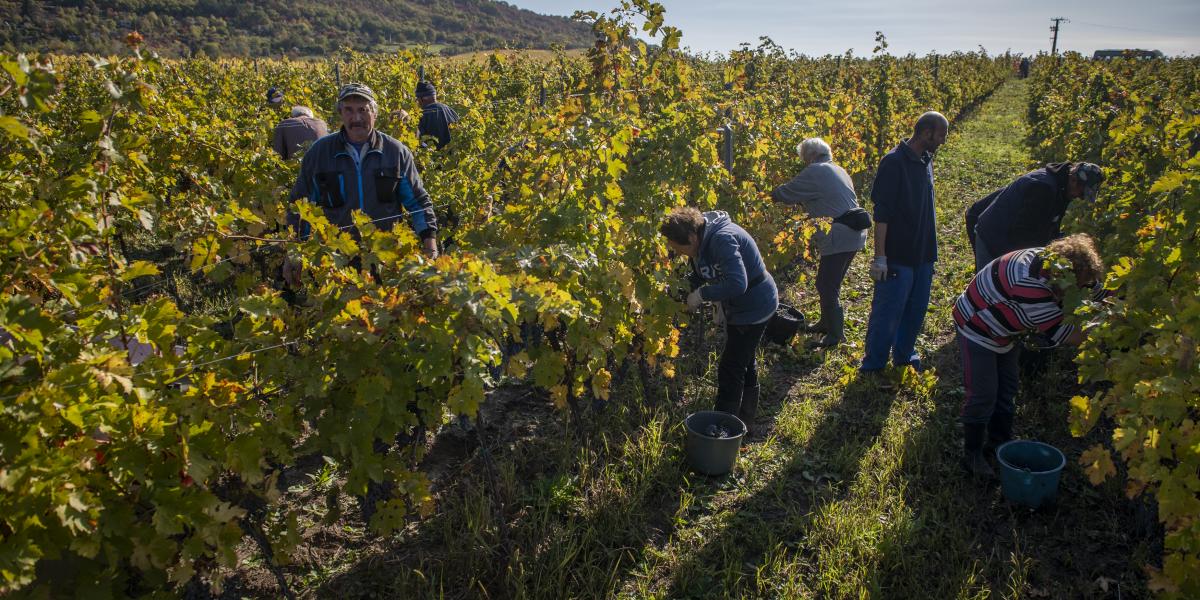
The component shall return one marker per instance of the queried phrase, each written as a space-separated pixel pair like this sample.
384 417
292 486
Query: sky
921 26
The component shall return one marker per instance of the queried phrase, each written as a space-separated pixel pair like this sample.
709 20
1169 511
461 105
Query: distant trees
260 27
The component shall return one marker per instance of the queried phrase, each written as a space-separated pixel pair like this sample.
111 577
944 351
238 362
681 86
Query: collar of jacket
374 141
911 154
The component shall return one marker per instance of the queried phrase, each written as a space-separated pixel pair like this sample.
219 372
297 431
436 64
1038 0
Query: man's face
934 138
358 118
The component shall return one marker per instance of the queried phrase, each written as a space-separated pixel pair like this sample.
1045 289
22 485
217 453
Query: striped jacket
1008 297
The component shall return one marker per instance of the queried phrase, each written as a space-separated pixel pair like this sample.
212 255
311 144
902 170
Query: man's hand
694 300
291 271
429 245
879 268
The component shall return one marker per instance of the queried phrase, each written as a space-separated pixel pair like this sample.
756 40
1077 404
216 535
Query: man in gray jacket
361 168
824 189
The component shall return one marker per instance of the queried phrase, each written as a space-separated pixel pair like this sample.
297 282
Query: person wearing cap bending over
361 168
435 116
299 129
1028 212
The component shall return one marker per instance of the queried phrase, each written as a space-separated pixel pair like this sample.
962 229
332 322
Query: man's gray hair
814 148
302 111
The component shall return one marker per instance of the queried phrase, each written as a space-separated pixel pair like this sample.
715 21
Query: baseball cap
1091 177
355 89
425 88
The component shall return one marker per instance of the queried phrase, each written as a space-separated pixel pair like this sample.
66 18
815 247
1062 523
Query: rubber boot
835 332
819 327
749 409
726 405
999 431
973 460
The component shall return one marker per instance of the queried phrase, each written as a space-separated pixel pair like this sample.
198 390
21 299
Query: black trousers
831 272
991 381
738 368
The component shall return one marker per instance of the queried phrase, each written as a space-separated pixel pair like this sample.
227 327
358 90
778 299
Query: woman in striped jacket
1011 296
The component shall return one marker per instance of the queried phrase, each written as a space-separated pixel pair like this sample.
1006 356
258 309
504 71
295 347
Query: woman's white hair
302 111
814 148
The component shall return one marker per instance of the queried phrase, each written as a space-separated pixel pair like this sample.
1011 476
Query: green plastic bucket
1029 472
713 455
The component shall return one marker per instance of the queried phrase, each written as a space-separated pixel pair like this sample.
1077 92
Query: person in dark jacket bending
726 261
1028 212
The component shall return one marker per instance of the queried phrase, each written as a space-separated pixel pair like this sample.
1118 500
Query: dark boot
835 328
749 409
973 460
999 431
726 406
818 327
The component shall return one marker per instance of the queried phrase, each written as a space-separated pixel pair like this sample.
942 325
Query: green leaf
139 268
13 127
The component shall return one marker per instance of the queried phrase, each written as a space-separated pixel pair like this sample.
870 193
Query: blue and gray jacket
733 272
382 182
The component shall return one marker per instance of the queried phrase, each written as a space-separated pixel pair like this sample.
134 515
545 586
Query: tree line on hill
275 27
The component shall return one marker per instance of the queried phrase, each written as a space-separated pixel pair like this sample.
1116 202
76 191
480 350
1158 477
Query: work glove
879 268
694 300
719 316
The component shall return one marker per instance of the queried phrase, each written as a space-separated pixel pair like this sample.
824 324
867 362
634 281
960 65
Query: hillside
272 27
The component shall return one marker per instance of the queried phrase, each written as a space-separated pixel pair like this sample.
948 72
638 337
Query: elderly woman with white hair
823 189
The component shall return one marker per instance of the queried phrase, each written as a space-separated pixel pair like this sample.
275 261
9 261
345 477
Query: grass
850 491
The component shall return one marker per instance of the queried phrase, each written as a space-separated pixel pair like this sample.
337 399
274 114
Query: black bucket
708 454
784 324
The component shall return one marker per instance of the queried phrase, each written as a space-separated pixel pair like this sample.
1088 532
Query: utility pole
1054 30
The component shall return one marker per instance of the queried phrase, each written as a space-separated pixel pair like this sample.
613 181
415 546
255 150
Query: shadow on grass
550 517
966 538
812 475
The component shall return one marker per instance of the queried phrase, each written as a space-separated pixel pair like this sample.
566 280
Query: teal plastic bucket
713 455
1029 472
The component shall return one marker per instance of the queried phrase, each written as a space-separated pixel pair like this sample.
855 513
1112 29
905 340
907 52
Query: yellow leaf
558 394
1097 463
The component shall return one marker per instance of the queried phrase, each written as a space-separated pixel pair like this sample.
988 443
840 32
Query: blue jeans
897 316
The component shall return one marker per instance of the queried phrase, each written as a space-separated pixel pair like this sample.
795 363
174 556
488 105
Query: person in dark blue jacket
905 246
726 262
361 168
436 117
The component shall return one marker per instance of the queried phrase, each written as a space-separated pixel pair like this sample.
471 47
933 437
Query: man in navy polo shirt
905 245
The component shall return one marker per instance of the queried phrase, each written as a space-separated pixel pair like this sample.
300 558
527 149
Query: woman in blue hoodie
731 272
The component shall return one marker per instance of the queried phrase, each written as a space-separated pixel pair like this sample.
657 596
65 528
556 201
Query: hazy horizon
1021 26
